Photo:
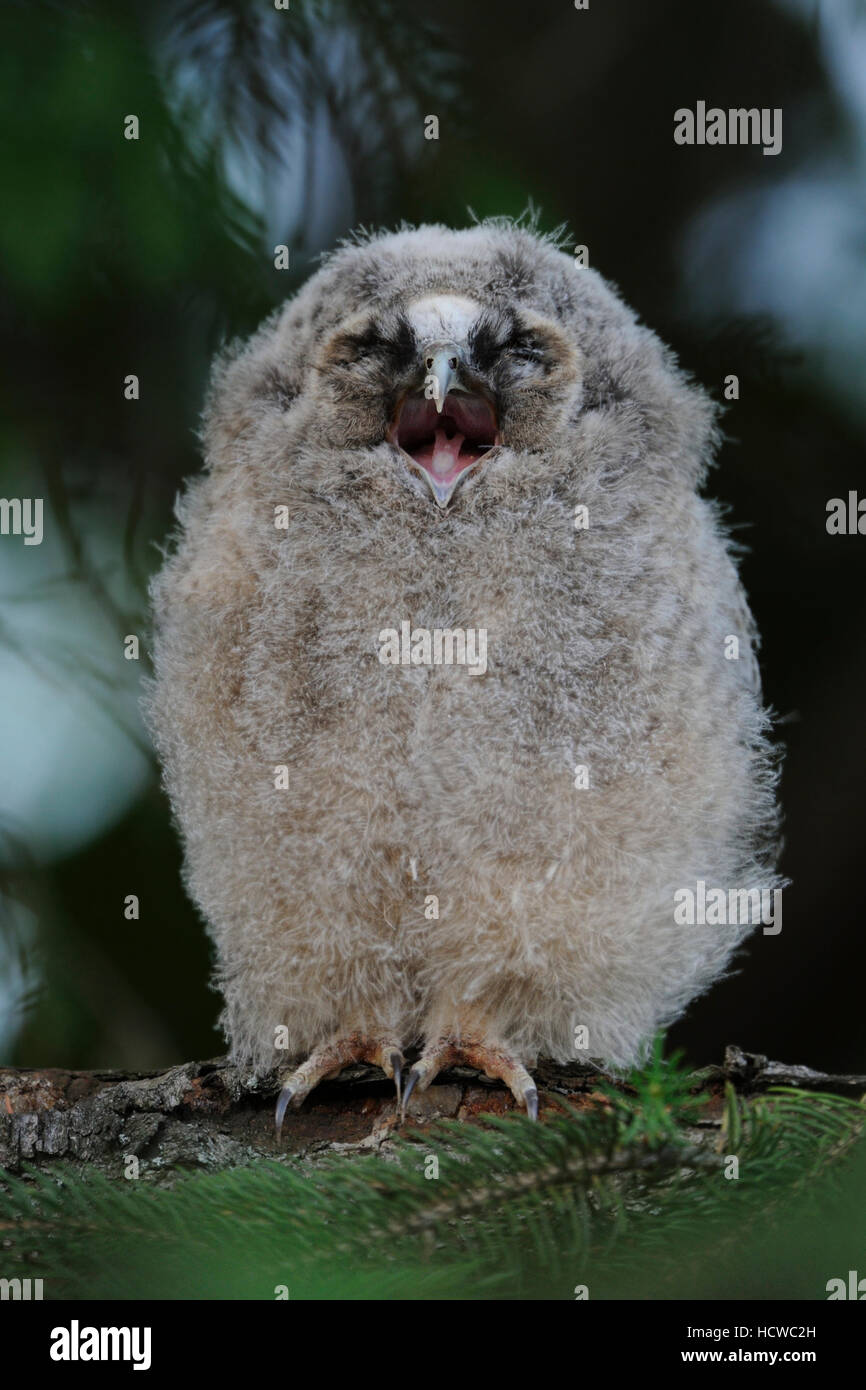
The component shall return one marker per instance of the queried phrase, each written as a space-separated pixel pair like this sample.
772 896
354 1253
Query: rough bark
210 1115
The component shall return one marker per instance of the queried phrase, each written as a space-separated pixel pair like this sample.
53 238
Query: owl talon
328 1061
396 1060
283 1102
492 1059
530 1100
411 1083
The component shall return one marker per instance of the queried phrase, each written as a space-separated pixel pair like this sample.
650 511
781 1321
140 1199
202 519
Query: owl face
443 383
458 371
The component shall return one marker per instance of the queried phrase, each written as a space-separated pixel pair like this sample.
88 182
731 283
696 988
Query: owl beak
442 491
441 364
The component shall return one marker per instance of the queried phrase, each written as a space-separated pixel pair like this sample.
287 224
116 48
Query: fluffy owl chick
444 684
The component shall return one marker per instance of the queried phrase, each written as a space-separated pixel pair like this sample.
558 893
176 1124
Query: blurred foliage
260 127
663 1099
514 1210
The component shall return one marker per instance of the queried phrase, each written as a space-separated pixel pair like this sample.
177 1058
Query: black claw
397 1068
531 1098
283 1101
410 1086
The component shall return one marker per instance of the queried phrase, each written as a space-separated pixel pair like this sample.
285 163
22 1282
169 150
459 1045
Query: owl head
445 363
446 378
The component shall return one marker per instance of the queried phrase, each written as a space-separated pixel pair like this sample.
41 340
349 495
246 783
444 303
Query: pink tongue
446 453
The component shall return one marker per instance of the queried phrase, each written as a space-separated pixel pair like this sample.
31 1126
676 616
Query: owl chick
452 442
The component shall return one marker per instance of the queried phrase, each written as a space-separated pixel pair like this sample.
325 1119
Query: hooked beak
441 362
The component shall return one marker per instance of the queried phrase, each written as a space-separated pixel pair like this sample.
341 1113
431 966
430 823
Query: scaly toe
330 1058
493 1059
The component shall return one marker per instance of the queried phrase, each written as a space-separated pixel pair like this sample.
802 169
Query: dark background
260 127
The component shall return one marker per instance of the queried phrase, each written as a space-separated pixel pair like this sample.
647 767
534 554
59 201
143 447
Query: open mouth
445 446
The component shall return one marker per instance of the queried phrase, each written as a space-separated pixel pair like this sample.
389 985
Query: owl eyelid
363 346
371 344
530 352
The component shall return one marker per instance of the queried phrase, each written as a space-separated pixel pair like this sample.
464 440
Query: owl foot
493 1059
329 1059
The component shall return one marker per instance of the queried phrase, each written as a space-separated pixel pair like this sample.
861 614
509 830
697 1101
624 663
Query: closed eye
527 352
345 349
391 341
501 334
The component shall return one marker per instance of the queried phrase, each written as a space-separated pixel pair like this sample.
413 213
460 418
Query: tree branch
212 1115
